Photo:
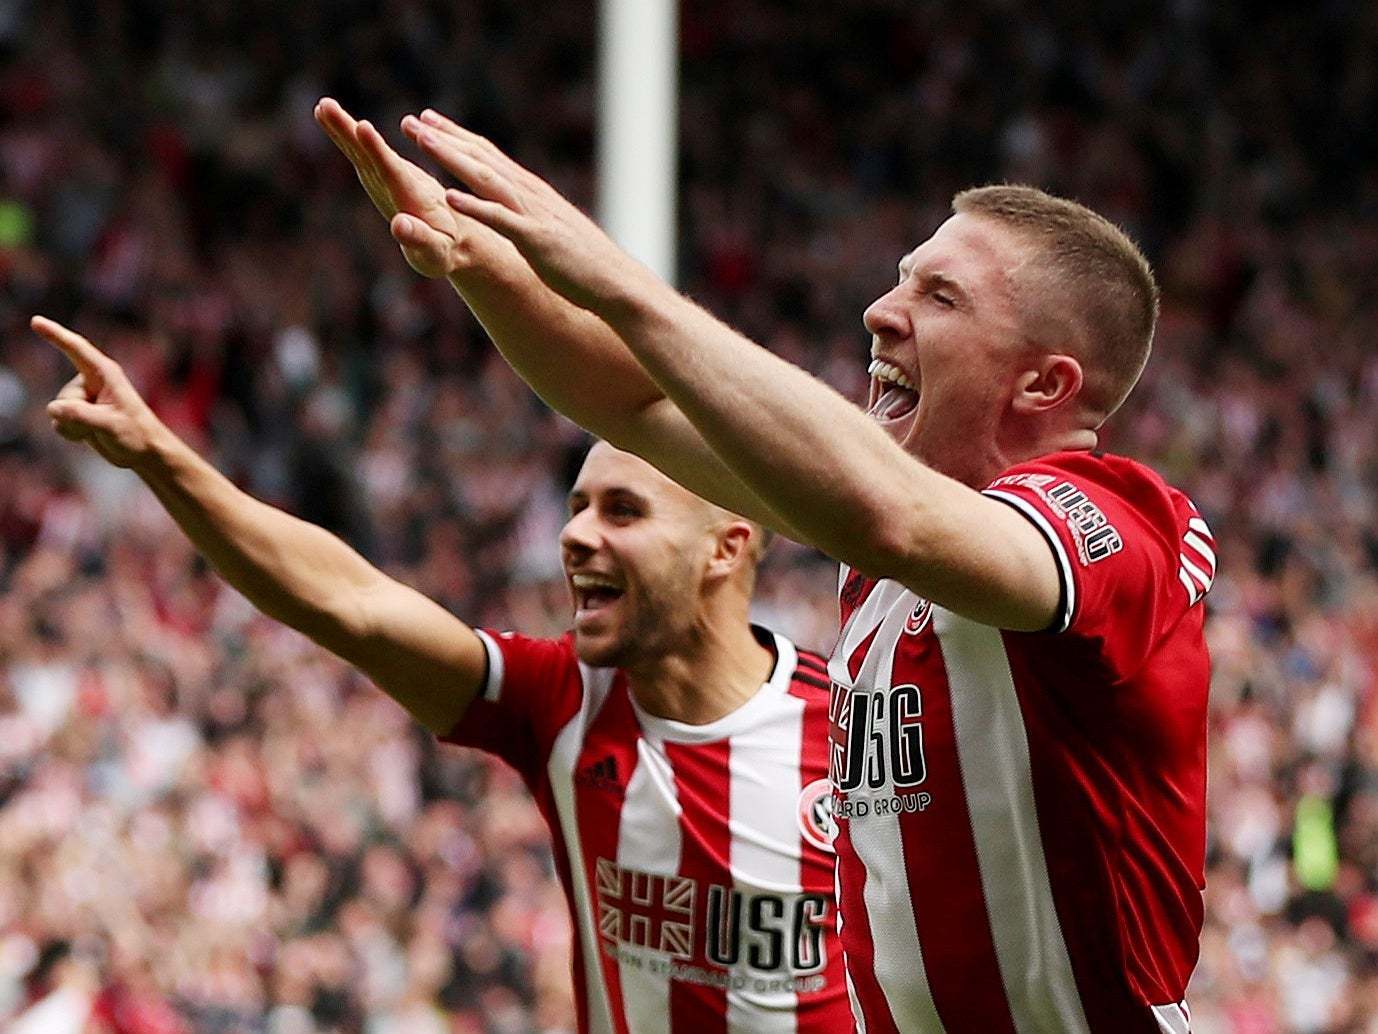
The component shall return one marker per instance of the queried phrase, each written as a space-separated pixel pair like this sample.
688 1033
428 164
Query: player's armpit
417 652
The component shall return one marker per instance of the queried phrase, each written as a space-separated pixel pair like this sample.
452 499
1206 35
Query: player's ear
731 549
1051 381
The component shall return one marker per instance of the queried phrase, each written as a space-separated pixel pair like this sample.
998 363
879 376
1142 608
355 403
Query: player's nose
579 537
887 316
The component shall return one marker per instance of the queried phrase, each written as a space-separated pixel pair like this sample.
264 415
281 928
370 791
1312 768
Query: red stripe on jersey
815 874
1073 795
703 788
856 937
945 884
612 735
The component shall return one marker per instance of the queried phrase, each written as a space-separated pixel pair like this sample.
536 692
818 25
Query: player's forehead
973 250
609 469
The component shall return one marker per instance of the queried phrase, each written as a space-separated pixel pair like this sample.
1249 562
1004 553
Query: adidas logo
601 775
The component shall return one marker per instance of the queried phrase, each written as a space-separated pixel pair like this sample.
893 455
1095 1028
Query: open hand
565 247
99 406
434 240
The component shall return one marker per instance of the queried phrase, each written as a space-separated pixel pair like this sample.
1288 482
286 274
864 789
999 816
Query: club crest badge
918 618
815 814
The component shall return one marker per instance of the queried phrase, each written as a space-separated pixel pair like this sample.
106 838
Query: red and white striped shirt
1021 816
695 858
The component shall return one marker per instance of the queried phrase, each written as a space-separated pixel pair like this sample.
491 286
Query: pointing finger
86 357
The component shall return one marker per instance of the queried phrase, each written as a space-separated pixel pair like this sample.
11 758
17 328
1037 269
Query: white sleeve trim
492 686
1064 565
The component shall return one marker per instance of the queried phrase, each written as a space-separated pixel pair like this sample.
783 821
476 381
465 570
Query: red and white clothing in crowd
1021 816
695 858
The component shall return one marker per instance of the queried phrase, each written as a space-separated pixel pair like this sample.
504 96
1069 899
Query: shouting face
636 553
947 341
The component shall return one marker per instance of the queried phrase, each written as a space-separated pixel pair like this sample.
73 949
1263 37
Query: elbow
887 541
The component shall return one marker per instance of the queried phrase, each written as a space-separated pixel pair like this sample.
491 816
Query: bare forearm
290 569
581 368
797 444
571 358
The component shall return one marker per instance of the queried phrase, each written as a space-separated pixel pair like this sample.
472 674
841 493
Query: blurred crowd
208 825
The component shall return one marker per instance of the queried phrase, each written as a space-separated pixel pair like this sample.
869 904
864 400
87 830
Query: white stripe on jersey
1197 543
993 752
898 956
492 685
648 841
766 852
1173 1019
564 755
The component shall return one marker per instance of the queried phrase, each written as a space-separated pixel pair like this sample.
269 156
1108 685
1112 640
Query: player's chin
599 647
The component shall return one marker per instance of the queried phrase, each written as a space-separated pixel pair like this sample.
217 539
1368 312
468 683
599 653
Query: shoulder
1093 491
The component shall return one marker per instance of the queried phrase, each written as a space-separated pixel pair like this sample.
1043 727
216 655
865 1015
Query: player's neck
716 671
976 465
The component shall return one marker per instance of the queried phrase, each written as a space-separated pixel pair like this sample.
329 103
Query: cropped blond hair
1086 274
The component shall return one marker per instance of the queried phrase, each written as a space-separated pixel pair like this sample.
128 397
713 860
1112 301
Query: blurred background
207 824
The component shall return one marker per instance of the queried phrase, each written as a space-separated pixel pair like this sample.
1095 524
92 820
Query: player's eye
945 300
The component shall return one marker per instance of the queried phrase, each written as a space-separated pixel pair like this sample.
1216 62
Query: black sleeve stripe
809 680
814 661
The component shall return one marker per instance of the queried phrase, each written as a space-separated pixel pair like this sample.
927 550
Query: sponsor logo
714 926
876 738
1096 538
815 814
601 775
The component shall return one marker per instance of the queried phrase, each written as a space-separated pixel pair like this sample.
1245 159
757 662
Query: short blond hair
1093 273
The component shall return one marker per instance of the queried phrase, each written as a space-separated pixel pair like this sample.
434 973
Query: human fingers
489 151
93 364
479 175
343 131
338 124
427 250
494 215
397 174
74 388
76 419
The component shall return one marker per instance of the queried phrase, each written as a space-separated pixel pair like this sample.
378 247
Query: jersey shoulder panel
532 688
1133 552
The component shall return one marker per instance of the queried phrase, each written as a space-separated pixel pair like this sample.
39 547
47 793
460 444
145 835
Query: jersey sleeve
532 688
1134 555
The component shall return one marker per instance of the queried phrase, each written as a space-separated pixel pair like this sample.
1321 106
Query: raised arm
572 359
843 484
416 651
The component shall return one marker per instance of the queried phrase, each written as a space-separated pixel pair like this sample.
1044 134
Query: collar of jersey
735 721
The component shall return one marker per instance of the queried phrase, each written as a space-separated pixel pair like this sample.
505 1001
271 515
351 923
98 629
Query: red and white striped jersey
1021 816
695 858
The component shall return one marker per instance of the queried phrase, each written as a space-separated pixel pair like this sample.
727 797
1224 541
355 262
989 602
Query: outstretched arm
808 453
570 357
303 576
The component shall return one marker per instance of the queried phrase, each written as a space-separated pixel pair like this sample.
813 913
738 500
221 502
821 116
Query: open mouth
895 395
594 592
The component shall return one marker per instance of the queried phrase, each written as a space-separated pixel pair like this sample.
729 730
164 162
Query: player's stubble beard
658 619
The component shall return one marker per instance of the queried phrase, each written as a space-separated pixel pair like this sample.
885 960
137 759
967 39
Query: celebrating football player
677 753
